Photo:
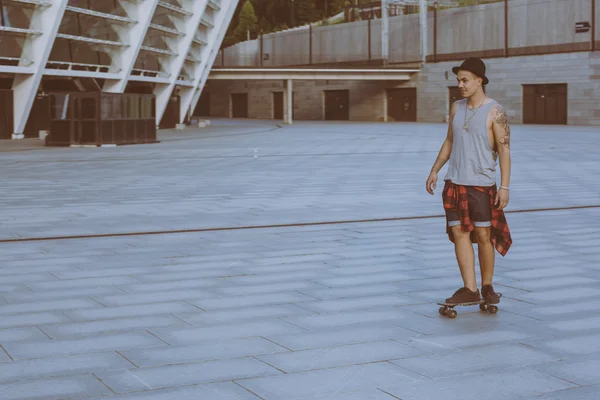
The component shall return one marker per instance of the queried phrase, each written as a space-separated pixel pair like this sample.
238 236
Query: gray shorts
479 209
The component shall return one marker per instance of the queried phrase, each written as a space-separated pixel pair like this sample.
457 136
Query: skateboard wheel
483 307
451 313
492 309
442 310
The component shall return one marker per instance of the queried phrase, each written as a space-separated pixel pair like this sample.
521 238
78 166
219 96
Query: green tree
275 15
247 22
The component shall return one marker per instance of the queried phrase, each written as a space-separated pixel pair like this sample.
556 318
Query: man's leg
485 249
465 255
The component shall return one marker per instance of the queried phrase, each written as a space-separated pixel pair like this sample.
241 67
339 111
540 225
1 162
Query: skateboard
449 311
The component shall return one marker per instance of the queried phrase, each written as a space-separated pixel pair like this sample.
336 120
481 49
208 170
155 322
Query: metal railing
176 9
72 66
91 40
34 2
149 73
158 51
170 31
15 61
20 30
98 14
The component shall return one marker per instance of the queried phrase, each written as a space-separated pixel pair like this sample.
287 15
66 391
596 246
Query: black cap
474 65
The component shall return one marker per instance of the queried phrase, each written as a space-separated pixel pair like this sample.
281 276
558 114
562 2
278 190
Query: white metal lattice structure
190 96
169 44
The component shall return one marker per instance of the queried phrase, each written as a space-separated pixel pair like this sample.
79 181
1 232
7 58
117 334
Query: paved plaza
135 292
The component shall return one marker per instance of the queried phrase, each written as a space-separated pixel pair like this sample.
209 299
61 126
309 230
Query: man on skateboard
478 135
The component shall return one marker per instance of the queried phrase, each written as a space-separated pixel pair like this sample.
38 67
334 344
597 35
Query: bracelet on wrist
504 187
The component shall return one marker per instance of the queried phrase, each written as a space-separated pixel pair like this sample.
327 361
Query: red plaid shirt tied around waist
455 198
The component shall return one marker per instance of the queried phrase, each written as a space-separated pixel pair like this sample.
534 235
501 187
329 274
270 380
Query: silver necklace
466 108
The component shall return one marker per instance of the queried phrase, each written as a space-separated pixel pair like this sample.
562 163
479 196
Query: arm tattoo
502 120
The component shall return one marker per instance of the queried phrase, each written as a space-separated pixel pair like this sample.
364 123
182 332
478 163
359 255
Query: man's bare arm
446 149
502 140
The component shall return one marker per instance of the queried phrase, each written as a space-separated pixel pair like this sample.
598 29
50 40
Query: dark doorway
545 104
39 116
454 93
203 107
337 105
402 104
6 114
279 105
239 105
171 116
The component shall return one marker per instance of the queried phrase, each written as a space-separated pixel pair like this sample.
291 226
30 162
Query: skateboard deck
448 310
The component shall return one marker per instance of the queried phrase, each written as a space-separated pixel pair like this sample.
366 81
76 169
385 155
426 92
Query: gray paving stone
132 311
544 272
29 370
577 345
22 335
15 287
27 278
325 382
356 303
496 386
278 287
191 275
23 320
555 282
356 291
476 339
117 300
54 389
295 259
333 337
103 327
244 314
478 360
372 394
581 324
382 314
4 356
581 393
168 286
252 300
582 372
131 280
276 277
186 374
106 272
43 349
571 308
340 356
223 349
57 305
62 294
225 331
213 391
80 283
561 295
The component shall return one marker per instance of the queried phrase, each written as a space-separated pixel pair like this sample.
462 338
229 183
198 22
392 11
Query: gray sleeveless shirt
472 160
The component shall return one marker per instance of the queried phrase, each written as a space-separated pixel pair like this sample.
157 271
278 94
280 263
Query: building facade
544 70
160 47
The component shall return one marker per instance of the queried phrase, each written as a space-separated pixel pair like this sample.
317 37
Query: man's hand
431 182
501 199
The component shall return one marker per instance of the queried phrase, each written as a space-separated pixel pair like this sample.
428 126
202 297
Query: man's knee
459 234
483 235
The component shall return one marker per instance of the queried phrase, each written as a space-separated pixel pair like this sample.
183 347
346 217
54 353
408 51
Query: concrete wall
534 27
367 99
580 71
